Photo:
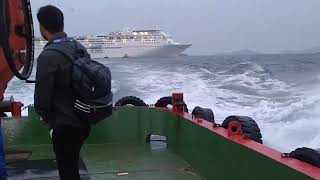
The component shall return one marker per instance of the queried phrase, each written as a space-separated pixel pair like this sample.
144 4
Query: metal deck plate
39 169
109 161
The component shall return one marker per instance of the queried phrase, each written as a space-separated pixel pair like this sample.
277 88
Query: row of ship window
142 42
101 42
137 37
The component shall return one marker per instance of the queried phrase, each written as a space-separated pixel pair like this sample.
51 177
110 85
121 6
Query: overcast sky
212 26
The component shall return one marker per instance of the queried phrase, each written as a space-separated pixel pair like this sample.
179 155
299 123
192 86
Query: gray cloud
210 25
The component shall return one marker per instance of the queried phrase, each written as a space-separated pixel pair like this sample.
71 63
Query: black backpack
91 81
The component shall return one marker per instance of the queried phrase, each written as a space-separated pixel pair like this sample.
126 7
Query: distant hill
305 51
240 52
183 55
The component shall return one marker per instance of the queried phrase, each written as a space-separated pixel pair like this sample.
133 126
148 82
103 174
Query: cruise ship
127 43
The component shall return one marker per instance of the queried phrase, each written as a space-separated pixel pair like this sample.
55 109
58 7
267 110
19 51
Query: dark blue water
279 91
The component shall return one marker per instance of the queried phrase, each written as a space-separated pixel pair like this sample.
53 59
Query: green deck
108 161
117 145
139 161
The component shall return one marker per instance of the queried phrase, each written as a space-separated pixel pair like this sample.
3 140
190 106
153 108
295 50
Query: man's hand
50 133
44 120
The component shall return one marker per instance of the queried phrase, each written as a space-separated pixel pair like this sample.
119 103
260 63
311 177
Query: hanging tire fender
204 113
17 36
130 101
308 155
165 101
249 127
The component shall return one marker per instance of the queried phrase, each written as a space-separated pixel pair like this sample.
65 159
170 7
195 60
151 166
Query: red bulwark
303 167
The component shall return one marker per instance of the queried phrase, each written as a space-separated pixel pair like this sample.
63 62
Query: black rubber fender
204 113
165 101
307 155
130 100
249 127
28 34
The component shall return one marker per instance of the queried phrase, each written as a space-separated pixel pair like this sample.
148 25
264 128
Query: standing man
54 97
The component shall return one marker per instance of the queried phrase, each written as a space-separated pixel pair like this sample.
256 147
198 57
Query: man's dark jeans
67 142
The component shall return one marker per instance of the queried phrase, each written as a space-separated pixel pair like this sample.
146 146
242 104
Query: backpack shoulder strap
68 47
67 51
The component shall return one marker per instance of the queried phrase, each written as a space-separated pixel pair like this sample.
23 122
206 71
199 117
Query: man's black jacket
54 97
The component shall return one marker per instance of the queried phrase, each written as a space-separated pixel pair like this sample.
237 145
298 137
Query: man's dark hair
51 18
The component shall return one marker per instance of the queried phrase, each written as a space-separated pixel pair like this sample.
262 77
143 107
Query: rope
26 107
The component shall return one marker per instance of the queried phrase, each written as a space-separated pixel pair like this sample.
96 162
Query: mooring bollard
177 102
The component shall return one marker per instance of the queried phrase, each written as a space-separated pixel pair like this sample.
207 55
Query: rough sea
281 92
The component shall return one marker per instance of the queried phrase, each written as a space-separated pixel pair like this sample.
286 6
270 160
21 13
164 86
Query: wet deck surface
109 161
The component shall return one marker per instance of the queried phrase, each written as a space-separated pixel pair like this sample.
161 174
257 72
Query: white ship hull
135 52
121 52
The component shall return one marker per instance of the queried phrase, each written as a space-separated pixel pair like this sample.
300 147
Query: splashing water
279 91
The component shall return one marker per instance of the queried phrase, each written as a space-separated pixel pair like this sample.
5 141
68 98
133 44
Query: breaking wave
285 104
